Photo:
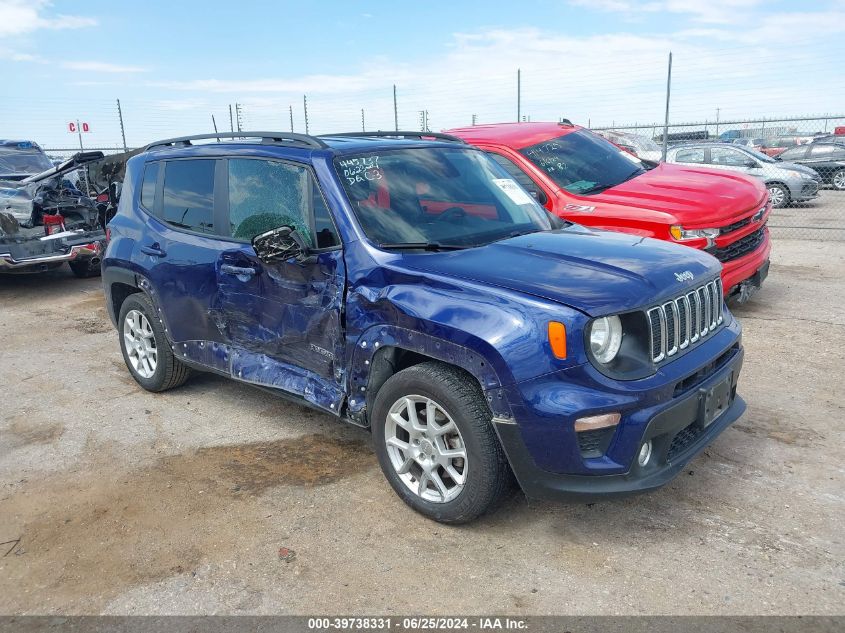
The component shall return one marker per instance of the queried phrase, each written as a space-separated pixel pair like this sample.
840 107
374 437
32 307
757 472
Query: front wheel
778 195
838 180
436 444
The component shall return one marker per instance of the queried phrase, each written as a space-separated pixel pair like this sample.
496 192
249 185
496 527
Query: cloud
102 67
710 11
20 17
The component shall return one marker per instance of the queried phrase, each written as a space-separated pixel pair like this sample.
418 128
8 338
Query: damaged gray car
46 221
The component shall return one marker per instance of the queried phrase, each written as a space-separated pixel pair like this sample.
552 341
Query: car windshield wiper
426 246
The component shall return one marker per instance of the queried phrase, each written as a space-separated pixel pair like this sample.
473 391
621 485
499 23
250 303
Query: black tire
169 372
784 198
84 268
488 475
837 179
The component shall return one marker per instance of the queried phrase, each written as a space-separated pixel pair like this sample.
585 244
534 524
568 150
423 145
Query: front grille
677 324
683 439
810 188
730 228
741 247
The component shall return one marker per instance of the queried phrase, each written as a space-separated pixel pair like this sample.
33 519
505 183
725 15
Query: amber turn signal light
557 339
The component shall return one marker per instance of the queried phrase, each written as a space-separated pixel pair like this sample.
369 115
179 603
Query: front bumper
741 269
546 458
803 190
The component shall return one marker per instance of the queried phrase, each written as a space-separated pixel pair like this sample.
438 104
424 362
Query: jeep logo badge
684 276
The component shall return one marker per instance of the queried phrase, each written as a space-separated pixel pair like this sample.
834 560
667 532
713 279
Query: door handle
153 250
238 271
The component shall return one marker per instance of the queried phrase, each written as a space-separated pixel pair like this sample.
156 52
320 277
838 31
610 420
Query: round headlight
605 338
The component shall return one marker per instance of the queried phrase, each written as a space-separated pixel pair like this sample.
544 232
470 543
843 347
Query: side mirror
280 244
751 163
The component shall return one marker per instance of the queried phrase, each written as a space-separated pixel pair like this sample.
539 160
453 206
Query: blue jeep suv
404 283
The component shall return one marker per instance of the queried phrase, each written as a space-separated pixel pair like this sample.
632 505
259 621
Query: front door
282 320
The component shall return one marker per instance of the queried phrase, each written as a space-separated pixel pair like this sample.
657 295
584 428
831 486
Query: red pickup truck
584 178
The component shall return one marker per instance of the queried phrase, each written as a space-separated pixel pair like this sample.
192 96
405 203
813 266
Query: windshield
437 198
643 143
15 161
758 155
584 163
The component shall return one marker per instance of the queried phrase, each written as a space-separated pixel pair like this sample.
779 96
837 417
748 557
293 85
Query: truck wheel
838 180
436 444
85 268
779 195
145 348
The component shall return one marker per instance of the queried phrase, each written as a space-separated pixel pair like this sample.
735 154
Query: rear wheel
436 444
85 268
145 348
778 195
838 180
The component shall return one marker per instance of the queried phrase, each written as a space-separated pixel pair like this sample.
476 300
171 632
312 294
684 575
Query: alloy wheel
426 449
777 196
839 179
140 344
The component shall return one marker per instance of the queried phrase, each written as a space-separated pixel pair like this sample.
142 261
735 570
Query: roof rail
267 138
398 134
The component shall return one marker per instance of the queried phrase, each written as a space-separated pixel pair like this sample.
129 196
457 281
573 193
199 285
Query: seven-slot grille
685 320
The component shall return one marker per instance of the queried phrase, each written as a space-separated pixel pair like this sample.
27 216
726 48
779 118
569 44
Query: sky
174 65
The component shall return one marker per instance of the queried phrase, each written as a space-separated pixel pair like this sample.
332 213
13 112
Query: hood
795 167
597 272
692 195
75 162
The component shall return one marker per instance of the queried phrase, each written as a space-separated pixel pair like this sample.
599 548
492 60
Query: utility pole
82 149
424 121
214 123
291 118
238 118
363 125
305 110
717 121
122 130
518 95
666 118
395 109
231 120
474 117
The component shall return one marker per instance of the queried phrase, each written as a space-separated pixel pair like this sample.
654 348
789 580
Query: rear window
188 201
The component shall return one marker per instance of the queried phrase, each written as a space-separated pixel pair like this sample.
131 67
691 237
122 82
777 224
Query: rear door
283 319
179 245
822 157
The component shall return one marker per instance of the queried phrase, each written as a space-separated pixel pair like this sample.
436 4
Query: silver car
786 182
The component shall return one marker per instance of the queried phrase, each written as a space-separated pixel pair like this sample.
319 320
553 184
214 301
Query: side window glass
725 156
323 224
821 150
515 172
148 188
695 155
265 195
189 194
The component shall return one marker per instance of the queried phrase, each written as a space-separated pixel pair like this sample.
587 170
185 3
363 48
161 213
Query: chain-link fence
801 158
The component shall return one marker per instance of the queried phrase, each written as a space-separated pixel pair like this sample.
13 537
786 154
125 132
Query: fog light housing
645 453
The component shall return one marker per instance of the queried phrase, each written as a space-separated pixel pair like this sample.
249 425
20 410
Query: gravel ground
219 498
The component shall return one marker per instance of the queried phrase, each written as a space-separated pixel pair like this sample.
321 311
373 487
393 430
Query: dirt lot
113 500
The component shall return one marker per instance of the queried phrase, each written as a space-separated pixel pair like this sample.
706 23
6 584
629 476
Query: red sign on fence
74 127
